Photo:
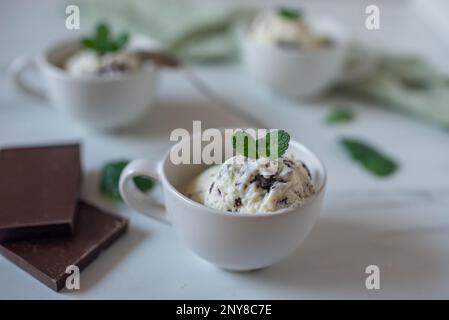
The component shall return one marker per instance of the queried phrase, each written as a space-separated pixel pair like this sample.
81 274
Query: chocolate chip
262 182
283 201
211 186
289 163
238 202
307 170
219 191
113 67
310 189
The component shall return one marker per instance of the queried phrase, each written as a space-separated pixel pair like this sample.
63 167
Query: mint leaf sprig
290 13
245 144
103 41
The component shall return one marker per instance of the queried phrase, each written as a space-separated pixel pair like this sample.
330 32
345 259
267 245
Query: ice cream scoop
88 62
197 189
253 185
273 28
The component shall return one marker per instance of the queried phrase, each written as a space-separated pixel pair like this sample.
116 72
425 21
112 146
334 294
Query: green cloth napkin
409 84
198 32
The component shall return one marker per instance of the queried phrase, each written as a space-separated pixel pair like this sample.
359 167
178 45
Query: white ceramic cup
233 241
295 72
103 103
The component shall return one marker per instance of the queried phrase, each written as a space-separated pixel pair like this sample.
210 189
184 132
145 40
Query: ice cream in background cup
293 53
235 239
288 28
103 92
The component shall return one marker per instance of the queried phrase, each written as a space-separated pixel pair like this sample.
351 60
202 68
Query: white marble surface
400 223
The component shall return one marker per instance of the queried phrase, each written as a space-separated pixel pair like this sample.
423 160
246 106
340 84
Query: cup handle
135 198
16 71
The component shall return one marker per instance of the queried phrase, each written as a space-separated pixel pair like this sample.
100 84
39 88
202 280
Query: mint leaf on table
371 159
103 41
110 177
245 145
340 116
290 13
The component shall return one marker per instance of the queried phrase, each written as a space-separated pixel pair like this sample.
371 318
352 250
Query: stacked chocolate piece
44 226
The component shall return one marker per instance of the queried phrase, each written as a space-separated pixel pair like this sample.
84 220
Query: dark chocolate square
39 190
47 259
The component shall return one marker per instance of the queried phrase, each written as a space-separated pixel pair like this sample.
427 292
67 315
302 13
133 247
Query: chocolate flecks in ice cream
210 188
307 170
87 62
262 182
248 185
283 201
238 202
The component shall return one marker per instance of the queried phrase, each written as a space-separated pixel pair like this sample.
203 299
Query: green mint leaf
102 48
110 177
260 144
103 42
144 184
244 144
102 32
371 159
290 13
88 43
340 116
121 40
283 141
